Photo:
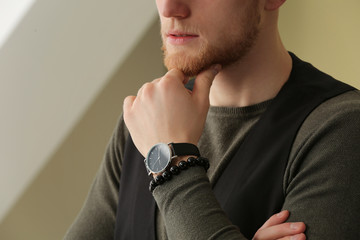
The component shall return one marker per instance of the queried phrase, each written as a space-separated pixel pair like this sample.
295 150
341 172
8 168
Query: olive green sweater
321 181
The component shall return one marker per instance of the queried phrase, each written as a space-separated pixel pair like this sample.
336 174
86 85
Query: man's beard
230 50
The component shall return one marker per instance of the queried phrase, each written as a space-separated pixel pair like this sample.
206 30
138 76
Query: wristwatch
161 155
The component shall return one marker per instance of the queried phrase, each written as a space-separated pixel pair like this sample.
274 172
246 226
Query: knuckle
147 89
156 80
166 78
126 113
127 104
166 82
127 101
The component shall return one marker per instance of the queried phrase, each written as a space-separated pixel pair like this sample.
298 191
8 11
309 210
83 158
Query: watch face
158 158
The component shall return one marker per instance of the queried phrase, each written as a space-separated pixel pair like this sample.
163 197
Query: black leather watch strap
184 149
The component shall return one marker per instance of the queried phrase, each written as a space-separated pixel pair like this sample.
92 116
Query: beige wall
52 66
326 33
323 32
53 199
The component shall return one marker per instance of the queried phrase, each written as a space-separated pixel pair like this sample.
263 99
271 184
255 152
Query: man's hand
165 111
275 228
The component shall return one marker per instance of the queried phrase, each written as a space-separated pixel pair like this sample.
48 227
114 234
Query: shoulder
344 108
331 129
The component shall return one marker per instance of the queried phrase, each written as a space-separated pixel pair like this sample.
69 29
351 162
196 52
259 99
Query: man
279 135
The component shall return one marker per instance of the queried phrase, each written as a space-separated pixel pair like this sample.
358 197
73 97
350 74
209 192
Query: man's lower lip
179 40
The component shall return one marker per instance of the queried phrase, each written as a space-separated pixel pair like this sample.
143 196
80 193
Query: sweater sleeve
322 180
96 219
190 210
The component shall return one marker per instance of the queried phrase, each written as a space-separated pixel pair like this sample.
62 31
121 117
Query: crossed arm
162 109
322 187
321 178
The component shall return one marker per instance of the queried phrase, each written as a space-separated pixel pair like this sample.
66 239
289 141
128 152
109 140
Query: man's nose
174 8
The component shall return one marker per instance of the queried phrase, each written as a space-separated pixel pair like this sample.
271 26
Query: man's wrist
163 155
174 162
174 170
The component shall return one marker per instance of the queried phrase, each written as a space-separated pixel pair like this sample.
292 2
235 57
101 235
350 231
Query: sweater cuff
180 183
189 208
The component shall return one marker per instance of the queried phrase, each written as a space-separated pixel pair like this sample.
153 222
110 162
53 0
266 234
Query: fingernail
280 214
294 226
216 68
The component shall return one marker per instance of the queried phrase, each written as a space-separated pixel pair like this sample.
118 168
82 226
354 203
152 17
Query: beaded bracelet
175 170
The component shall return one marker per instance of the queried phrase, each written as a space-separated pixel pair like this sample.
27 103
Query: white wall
11 12
51 68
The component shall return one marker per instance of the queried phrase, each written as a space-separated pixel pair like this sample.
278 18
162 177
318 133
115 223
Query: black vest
250 189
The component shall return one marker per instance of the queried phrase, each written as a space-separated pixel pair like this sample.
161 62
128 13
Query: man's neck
257 77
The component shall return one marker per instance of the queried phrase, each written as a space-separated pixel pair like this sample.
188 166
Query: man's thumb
204 81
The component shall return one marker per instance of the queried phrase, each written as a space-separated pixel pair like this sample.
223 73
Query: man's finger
173 75
279 231
204 81
276 219
300 236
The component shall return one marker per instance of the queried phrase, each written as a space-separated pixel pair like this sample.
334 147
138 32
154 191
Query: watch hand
158 158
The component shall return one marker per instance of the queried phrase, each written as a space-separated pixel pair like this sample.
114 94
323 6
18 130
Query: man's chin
189 70
189 65
187 59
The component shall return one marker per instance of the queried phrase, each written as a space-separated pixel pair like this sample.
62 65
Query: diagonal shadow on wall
54 198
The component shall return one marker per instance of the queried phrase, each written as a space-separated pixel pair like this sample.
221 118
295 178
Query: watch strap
184 149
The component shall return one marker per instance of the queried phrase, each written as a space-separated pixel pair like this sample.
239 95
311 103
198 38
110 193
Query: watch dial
159 157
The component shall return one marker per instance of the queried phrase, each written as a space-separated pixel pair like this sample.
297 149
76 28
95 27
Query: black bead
159 179
201 161
167 175
152 185
175 170
197 161
191 161
183 165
